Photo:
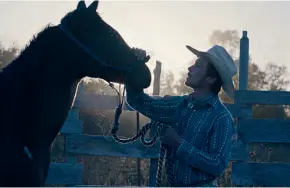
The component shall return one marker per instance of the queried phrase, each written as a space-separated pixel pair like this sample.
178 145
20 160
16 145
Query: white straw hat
223 63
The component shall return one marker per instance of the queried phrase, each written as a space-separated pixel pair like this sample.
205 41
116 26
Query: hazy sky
165 27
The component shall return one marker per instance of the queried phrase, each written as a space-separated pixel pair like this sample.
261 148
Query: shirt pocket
201 138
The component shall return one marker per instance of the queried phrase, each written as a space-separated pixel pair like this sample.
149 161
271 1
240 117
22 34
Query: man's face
197 74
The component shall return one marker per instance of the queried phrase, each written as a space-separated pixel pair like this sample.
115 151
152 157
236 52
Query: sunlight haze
163 28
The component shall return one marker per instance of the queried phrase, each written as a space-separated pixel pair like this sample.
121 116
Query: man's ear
210 80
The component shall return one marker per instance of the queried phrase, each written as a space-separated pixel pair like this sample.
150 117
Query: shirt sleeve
161 109
215 161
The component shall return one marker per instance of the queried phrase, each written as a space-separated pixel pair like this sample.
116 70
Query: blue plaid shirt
206 128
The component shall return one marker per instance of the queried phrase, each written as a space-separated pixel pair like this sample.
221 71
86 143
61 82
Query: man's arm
214 161
160 109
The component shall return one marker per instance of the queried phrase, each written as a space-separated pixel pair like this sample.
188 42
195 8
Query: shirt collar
204 100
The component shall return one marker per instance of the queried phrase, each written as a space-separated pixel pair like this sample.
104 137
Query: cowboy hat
223 63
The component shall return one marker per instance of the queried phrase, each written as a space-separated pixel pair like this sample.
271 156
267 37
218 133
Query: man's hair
213 73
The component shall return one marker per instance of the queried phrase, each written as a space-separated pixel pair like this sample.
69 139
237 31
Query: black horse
37 89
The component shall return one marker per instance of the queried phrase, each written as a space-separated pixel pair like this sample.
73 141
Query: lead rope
118 111
161 158
141 134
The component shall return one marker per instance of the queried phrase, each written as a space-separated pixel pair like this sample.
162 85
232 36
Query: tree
98 86
180 88
167 83
229 39
275 77
7 55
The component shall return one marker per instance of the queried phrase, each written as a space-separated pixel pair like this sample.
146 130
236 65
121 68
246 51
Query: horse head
105 54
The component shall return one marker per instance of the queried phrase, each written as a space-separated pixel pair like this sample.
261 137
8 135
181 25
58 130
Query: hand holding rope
141 134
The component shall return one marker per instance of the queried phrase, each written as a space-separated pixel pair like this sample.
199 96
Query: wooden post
243 85
244 62
156 91
75 110
156 83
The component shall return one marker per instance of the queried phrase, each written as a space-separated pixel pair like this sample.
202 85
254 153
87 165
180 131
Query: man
200 138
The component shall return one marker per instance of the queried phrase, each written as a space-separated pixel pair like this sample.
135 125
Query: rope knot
116 124
115 128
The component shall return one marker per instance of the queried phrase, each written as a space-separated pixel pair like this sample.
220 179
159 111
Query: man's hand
171 138
141 54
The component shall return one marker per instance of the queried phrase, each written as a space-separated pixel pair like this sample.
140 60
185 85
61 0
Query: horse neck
40 56
30 82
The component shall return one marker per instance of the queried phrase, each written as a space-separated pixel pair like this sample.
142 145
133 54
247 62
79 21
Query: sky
163 28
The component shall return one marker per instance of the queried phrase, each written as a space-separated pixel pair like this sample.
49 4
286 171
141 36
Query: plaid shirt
206 128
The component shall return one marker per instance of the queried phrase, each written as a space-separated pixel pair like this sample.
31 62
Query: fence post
244 62
156 91
243 85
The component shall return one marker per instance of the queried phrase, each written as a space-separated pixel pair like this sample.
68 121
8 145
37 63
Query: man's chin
186 83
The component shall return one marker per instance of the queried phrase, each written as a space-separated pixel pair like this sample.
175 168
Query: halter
103 63
115 126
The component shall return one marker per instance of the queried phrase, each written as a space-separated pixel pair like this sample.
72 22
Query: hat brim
194 51
228 84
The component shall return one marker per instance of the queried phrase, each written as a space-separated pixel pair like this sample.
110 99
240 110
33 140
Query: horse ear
81 5
94 6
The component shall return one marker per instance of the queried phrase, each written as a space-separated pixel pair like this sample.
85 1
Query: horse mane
28 59
36 37
27 46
